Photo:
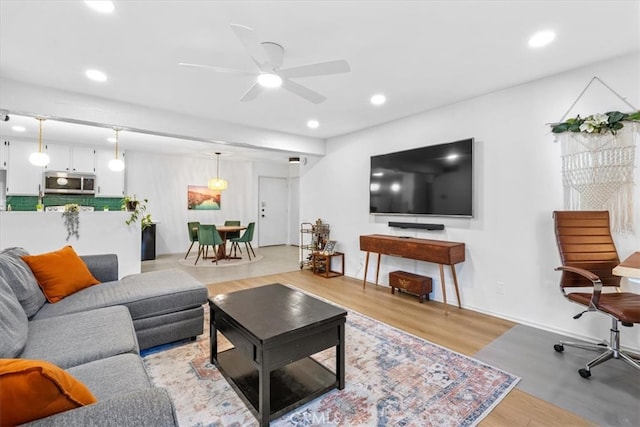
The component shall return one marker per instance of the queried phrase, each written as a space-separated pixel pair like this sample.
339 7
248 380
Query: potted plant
148 228
137 209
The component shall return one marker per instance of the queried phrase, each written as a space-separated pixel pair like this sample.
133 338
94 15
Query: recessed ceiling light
100 6
96 75
378 99
18 128
542 38
111 140
313 124
269 80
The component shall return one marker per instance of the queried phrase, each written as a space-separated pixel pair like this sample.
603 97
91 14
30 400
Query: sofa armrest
145 408
104 267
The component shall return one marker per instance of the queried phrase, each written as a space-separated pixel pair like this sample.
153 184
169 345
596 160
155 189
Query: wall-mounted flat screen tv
434 180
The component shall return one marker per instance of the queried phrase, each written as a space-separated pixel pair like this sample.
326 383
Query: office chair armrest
581 271
595 280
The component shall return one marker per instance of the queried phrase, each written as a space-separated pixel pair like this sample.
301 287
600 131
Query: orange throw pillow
60 273
34 389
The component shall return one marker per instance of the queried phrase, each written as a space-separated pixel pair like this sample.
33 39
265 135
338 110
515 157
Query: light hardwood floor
462 330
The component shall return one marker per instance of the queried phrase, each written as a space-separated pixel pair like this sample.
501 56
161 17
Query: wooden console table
437 251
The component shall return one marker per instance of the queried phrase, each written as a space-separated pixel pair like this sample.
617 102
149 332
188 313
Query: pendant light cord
40 136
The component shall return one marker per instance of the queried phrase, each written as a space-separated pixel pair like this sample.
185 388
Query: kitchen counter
100 232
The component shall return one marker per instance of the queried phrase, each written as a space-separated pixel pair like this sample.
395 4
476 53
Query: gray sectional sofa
96 335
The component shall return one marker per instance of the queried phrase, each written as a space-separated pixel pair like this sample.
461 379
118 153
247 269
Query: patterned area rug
392 378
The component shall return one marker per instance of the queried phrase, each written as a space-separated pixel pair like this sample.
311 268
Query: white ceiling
420 54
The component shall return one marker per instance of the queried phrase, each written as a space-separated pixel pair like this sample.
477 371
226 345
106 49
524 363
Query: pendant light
116 164
217 183
39 158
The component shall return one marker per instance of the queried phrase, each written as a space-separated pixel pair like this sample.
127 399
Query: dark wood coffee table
274 330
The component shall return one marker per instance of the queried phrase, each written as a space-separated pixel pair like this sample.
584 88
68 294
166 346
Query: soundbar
419 225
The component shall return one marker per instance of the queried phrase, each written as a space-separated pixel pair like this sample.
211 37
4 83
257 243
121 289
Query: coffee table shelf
291 386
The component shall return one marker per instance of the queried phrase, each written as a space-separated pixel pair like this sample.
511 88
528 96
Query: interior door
272 211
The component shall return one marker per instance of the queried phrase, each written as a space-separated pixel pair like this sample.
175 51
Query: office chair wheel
559 348
584 373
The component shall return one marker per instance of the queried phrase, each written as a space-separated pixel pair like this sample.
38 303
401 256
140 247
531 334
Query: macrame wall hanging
598 155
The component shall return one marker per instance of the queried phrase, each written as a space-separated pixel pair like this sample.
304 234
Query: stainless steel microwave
69 183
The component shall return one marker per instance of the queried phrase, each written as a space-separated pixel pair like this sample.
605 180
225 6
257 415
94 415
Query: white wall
163 180
517 184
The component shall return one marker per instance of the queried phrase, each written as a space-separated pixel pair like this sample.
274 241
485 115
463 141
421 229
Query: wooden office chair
192 228
588 256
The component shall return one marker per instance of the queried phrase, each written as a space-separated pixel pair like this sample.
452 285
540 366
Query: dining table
223 230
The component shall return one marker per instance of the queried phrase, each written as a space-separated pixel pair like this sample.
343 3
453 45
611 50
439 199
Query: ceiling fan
268 58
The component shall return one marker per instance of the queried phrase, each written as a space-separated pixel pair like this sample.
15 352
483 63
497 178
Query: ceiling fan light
39 158
116 165
269 80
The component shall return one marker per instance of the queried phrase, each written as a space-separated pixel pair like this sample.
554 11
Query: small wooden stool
410 283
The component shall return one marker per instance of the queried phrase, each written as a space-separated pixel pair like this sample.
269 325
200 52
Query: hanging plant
137 209
71 216
598 123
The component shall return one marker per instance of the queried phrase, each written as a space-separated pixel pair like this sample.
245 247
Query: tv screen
434 180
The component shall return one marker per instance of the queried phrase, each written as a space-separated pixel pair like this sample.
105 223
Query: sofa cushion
60 273
13 323
78 338
146 295
34 389
144 408
113 376
19 276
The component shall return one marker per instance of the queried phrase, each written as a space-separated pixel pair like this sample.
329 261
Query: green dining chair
246 238
192 228
232 234
208 236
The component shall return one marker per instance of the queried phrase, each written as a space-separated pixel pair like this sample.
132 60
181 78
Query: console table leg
366 267
378 268
444 290
455 282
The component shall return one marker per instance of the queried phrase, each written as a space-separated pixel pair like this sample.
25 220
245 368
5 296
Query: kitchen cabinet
71 159
23 178
109 183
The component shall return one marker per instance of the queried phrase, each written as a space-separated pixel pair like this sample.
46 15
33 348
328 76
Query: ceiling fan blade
302 91
251 43
318 69
251 94
218 69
